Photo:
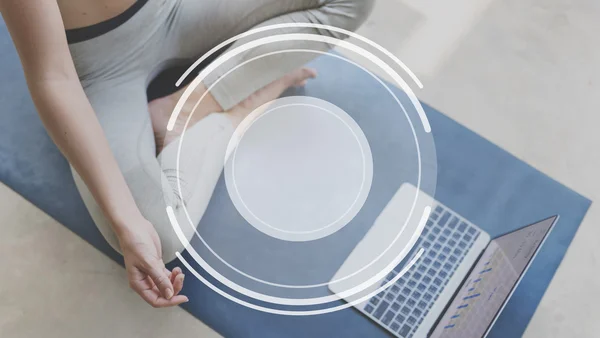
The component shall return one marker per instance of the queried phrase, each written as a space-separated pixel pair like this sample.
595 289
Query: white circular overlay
299 168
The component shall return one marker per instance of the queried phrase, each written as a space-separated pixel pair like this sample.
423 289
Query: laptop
455 280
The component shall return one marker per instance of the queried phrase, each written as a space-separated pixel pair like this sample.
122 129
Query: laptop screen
491 282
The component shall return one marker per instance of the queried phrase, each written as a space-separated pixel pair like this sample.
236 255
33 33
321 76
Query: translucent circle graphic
300 168
376 277
314 285
318 300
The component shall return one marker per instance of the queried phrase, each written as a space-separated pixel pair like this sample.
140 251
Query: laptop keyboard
402 307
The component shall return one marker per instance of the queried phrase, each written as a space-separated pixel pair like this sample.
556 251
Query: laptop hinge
460 286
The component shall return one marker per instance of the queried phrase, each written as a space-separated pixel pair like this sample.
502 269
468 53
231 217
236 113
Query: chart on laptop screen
490 282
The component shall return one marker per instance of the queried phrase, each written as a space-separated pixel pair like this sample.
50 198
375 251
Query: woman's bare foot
161 109
269 92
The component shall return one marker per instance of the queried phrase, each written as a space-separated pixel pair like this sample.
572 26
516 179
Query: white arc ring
286 38
207 267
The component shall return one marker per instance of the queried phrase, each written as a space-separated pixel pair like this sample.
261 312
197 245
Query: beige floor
525 74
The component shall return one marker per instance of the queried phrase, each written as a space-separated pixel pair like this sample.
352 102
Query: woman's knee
362 10
353 12
171 244
152 206
152 194
173 237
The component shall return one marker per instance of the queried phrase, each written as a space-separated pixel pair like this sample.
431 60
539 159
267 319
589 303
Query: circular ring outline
224 58
287 36
314 285
283 285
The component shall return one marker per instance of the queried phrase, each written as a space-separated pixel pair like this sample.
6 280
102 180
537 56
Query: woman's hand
146 270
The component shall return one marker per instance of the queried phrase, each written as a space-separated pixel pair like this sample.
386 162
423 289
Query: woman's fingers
178 283
161 279
176 271
176 279
148 283
153 296
170 274
176 300
155 299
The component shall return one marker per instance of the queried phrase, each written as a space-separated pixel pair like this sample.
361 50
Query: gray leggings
116 67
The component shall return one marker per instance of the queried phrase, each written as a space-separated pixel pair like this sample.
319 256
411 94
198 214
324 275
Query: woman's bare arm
37 30
38 33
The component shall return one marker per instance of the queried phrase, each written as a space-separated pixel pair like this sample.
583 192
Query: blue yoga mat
477 179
